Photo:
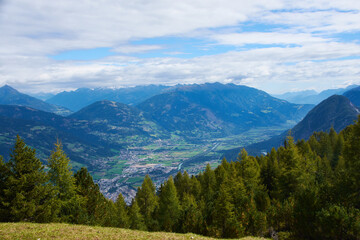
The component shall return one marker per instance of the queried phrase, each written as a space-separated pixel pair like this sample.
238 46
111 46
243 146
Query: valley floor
79 232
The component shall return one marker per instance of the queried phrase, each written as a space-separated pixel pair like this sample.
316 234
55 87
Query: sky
273 45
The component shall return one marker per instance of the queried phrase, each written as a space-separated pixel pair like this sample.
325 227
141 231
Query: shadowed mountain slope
354 96
220 109
10 96
336 111
82 97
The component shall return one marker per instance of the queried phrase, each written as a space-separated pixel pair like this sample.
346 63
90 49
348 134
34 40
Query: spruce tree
91 198
4 174
27 194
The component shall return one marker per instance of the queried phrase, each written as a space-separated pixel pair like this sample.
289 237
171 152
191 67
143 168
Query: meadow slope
67 231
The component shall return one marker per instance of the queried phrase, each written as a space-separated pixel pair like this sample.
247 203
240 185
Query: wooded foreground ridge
303 190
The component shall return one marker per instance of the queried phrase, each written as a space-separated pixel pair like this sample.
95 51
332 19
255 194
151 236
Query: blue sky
273 45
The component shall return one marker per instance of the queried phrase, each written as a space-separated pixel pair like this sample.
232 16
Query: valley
166 130
125 171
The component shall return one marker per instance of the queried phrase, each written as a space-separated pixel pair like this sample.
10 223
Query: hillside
120 143
354 96
215 109
336 111
304 190
114 117
67 231
82 97
42 129
10 96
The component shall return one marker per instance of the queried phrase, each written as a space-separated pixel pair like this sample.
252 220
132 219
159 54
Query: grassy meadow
67 231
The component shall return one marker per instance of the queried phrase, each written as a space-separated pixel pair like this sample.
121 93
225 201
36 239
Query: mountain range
82 97
159 132
311 96
10 96
215 109
335 112
354 96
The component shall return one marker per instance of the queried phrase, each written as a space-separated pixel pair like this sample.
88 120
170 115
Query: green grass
135 179
67 231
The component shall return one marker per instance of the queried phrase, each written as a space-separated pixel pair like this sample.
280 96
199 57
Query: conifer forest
302 190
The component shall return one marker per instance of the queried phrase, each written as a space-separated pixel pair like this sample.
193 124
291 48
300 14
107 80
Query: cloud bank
274 45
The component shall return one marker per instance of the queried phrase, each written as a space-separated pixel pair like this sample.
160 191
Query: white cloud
330 21
47 27
239 39
33 30
136 48
272 69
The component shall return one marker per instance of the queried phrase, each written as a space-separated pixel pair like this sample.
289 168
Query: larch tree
148 202
135 217
63 180
169 206
122 217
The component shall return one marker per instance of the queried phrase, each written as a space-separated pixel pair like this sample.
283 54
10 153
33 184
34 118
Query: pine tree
169 207
148 202
27 194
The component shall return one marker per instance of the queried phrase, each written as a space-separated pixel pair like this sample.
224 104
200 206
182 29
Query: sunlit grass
80 232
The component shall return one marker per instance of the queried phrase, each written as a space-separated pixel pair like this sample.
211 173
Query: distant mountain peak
218 108
11 96
354 96
82 97
336 111
8 88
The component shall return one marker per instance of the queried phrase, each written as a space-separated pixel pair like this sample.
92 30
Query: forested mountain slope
303 190
219 109
11 96
82 97
334 112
